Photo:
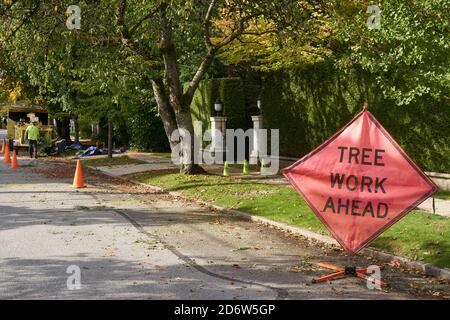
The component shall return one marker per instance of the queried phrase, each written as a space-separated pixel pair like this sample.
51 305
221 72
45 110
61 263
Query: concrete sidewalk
442 207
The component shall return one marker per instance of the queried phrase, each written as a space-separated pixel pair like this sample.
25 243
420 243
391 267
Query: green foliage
442 194
409 56
96 72
145 129
288 34
231 93
309 104
85 127
43 143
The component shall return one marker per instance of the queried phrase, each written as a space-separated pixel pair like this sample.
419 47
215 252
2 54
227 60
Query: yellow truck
18 116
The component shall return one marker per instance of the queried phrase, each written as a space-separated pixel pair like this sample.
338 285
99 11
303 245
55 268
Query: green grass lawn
419 235
442 194
166 155
114 161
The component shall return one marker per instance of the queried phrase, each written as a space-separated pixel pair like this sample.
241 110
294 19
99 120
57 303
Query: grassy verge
442 194
419 235
166 155
114 161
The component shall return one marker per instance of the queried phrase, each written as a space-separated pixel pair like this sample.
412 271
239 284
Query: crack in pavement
281 293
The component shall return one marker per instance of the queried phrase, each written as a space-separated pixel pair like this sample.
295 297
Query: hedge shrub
145 129
231 93
309 104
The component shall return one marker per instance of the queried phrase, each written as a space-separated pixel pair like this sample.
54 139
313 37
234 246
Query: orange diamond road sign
359 182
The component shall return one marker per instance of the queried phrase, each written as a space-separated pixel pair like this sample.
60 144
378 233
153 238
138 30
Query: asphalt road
130 243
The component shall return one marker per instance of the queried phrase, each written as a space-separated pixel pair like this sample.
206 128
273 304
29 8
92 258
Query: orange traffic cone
14 163
3 145
7 155
78 180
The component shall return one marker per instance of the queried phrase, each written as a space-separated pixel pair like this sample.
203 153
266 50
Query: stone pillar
95 128
218 130
257 143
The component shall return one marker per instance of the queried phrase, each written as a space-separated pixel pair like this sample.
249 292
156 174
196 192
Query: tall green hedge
309 104
145 129
231 93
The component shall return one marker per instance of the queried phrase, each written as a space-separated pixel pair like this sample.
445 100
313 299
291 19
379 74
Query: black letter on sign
368 209
341 205
379 213
379 185
376 157
355 181
366 181
355 206
330 205
337 178
354 153
365 156
341 158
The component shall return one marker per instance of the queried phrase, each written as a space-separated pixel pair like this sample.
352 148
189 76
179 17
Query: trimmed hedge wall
145 128
231 93
309 104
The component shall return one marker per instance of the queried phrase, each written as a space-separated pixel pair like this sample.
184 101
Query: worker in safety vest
32 134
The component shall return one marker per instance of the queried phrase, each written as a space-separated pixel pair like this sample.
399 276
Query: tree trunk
173 103
180 119
165 110
110 136
77 129
58 126
184 121
63 129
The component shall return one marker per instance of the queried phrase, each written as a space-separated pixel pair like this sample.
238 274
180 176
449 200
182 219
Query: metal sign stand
349 270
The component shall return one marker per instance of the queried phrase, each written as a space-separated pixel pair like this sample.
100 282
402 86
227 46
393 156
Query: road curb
425 268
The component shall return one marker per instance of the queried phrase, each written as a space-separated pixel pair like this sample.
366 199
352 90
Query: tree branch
9 8
167 49
207 25
26 19
141 20
199 74
204 65
236 33
212 49
124 32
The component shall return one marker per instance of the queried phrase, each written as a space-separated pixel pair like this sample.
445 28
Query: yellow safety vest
32 133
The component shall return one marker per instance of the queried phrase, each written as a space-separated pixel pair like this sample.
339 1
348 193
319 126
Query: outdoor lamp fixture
218 106
258 104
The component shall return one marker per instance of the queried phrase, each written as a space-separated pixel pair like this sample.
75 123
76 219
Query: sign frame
376 234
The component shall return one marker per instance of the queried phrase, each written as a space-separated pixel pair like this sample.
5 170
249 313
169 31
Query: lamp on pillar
258 104
218 107
257 138
218 130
